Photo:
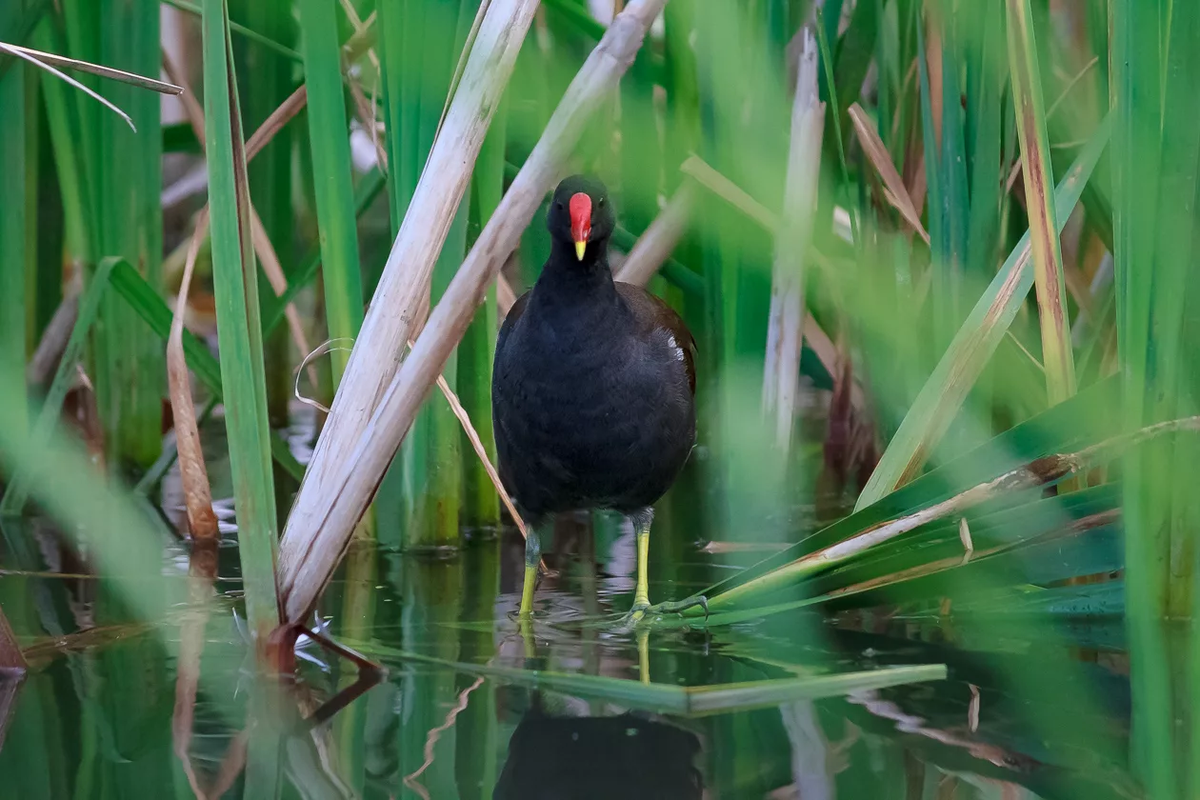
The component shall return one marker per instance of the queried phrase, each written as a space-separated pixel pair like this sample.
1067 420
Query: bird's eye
601 202
560 206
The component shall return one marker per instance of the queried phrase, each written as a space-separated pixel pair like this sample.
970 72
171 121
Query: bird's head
581 213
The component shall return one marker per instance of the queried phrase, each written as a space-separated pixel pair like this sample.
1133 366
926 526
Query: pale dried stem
505 296
364 109
793 238
21 53
464 419
11 658
655 245
894 189
54 339
360 29
281 116
376 404
99 70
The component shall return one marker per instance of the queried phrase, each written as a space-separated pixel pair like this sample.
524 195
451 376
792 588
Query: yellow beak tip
580 247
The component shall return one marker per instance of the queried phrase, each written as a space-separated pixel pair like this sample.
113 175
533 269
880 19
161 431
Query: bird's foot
642 612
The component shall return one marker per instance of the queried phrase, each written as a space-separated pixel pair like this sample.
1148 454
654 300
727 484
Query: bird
593 389
581 758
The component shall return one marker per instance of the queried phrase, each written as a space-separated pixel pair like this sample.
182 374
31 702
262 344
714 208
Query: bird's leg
641 596
533 555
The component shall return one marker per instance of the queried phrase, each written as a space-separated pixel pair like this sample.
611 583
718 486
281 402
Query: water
843 704
107 709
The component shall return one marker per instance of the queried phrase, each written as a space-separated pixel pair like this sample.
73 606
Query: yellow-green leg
641 595
533 556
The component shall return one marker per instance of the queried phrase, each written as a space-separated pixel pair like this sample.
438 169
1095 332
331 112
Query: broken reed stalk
656 244
99 70
793 237
893 185
10 652
311 548
197 491
334 495
1040 472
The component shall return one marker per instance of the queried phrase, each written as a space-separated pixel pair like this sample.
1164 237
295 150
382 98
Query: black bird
599 758
593 388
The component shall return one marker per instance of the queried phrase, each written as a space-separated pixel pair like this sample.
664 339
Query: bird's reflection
581 758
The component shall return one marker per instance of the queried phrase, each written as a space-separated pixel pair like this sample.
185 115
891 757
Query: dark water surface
799 705
115 709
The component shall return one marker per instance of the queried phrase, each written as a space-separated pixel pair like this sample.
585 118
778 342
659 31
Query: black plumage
594 380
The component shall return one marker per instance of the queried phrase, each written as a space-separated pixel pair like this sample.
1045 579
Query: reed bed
962 232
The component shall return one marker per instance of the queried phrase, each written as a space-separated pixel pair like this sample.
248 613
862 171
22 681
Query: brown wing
651 312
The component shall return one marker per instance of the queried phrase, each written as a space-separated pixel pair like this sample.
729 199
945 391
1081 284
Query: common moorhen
593 388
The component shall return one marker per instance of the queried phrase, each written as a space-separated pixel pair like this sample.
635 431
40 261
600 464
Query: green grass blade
238 328
1057 356
125 544
129 370
1086 418
480 502
986 112
943 393
271 171
242 30
67 156
306 269
12 228
689 701
419 42
955 208
329 137
1155 125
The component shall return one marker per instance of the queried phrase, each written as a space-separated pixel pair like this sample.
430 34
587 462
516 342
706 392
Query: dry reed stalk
10 651
377 403
893 184
793 236
281 116
197 492
99 70
464 419
20 53
54 339
505 296
655 245
258 233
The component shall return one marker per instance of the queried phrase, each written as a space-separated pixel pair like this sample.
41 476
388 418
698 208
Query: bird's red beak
580 207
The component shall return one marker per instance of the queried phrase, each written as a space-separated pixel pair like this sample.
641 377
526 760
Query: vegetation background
937 256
